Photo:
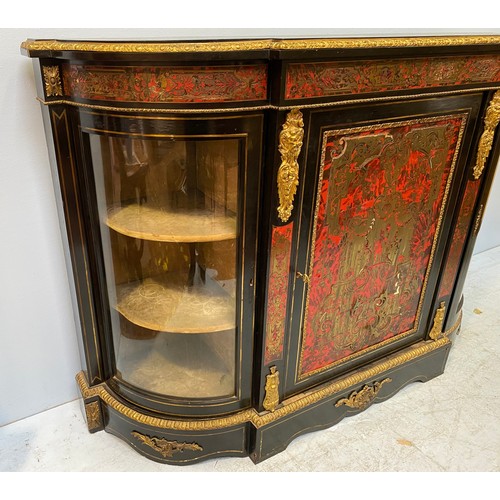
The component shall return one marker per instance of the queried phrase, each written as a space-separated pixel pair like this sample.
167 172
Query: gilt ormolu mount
264 236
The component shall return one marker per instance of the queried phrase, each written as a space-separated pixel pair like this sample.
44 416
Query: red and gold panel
328 79
381 199
279 272
458 240
166 84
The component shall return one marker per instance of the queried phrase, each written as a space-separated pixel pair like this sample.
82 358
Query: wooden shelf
150 223
201 308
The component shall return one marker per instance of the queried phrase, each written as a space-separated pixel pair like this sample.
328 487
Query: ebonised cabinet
264 236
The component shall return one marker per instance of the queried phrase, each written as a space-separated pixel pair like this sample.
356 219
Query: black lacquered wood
127 410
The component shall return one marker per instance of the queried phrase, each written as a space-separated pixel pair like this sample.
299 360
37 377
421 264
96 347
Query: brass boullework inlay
371 128
93 414
437 326
490 124
272 396
364 398
52 81
265 44
479 216
291 137
165 447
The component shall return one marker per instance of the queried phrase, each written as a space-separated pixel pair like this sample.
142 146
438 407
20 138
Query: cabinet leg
93 414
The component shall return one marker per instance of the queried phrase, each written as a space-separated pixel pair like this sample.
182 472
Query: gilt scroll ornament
272 397
164 447
364 398
437 326
490 124
291 137
52 81
279 266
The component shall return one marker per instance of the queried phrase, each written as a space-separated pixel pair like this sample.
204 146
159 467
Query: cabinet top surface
35 48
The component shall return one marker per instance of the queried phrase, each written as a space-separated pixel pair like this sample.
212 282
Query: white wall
38 348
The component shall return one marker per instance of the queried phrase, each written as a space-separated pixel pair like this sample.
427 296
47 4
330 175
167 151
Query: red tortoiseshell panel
458 240
381 198
279 272
319 79
166 84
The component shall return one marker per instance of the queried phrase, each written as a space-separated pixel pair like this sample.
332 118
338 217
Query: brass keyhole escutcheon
304 277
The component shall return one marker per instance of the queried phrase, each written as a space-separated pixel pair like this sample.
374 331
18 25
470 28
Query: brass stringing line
479 216
241 249
327 133
265 106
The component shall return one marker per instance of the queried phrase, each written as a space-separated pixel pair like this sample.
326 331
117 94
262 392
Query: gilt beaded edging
181 111
259 420
265 44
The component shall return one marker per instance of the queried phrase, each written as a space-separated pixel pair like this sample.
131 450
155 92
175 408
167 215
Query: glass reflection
169 212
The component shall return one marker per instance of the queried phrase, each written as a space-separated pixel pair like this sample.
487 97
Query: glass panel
169 211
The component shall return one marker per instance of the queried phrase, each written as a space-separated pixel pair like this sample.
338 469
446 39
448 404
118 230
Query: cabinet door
378 191
173 203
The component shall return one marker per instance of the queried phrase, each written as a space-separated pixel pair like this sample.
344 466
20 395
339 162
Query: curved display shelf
200 308
154 224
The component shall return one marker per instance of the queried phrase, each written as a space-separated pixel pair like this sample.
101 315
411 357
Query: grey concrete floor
450 423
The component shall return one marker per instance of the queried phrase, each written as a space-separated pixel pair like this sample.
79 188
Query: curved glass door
168 212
